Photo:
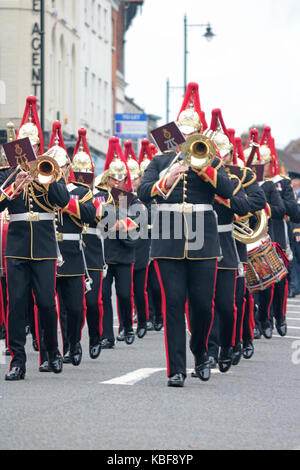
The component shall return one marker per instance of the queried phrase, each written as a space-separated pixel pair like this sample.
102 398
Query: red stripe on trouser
234 311
118 315
187 314
6 325
243 312
286 291
271 301
36 324
251 314
84 306
2 314
146 294
100 306
57 305
132 294
164 311
212 306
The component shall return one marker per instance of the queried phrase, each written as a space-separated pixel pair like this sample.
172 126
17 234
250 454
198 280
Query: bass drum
4 222
266 265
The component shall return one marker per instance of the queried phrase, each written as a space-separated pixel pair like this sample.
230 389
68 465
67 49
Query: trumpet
197 152
44 170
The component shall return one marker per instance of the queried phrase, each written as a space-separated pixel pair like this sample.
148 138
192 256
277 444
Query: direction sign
131 126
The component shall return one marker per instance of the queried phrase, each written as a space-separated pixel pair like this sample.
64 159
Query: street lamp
208 35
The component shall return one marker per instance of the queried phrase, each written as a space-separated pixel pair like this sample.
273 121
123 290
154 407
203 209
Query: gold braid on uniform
245 185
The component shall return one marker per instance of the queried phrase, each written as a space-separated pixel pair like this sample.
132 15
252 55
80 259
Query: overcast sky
251 69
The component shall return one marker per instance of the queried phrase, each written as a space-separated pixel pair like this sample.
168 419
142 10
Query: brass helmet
189 121
60 155
144 165
134 168
117 169
223 143
56 147
29 130
265 153
82 160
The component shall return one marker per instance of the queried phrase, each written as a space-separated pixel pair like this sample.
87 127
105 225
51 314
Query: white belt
91 231
184 207
68 236
31 217
225 228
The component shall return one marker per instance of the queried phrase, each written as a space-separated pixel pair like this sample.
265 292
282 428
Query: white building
78 65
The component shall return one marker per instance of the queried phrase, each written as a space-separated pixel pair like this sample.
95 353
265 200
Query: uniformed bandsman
31 258
93 248
119 248
184 265
224 326
244 300
71 282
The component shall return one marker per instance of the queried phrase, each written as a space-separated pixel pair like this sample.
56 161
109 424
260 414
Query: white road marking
294 319
132 377
285 337
140 374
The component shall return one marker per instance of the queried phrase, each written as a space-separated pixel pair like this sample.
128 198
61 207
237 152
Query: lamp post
168 88
208 35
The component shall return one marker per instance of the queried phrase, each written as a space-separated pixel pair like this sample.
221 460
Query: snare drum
265 266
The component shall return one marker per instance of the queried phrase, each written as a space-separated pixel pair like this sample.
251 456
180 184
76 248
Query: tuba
197 152
244 234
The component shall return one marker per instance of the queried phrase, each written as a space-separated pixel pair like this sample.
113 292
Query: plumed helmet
30 125
82 160
191 118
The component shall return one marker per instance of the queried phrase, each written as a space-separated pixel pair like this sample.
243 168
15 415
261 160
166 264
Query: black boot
76 354
202 367
225 359
237 354
55 362
248 349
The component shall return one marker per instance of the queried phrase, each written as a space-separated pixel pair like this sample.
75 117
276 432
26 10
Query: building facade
84 82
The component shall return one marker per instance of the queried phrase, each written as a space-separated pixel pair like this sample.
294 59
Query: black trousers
70 292
179 280
123 276
141 296
223 331
22 277
280 299
154 294
94 308
240 300
248 320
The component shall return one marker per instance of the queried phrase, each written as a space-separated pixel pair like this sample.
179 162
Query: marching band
196 235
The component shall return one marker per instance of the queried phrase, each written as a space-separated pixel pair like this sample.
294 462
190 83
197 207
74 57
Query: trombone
197 152
43 169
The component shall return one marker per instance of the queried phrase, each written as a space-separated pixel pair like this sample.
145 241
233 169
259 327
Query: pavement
121 400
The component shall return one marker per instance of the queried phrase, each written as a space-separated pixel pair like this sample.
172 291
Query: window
99 13
105 24
86 91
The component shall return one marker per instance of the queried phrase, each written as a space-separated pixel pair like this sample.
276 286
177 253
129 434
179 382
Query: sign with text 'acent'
131 126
